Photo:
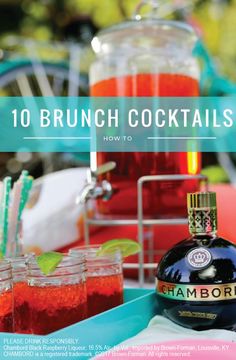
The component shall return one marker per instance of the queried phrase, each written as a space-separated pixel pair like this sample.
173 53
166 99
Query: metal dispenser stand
140 221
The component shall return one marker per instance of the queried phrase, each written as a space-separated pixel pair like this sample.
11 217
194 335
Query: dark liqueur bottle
196 279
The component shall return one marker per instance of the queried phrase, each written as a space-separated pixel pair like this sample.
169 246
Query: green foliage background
48 19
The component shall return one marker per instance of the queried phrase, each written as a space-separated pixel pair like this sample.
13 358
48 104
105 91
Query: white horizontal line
181 138
56 138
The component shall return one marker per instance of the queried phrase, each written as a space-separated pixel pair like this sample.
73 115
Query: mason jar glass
104 278
59 299
6 297
20 294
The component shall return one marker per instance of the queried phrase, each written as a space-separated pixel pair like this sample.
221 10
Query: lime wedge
1 255
127 247
48 261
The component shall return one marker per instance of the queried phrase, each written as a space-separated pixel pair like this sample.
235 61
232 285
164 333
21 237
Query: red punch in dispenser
144 57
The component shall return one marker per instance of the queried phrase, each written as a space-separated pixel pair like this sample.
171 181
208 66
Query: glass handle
161 8
154 8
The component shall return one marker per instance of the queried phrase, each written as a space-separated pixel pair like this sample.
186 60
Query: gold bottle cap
202 212
199 200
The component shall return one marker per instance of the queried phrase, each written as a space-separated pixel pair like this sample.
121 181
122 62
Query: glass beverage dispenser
145 57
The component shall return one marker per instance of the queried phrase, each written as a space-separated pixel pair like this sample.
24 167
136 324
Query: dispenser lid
143 32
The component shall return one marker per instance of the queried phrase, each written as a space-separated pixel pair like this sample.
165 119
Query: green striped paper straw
26 187
5 210
27 182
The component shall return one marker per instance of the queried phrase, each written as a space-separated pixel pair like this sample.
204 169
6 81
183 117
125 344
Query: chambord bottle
196 279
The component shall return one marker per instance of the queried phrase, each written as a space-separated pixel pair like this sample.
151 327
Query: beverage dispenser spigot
94 188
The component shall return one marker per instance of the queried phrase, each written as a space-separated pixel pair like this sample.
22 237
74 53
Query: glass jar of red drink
6 297
20 294
59 299
146 57
104 278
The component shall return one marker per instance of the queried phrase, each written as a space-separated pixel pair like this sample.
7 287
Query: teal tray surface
89 337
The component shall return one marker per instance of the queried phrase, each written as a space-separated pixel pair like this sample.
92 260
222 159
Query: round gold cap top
199 200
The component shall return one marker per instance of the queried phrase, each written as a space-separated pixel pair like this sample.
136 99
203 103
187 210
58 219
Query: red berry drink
59 299
104 292
21 308
157 196
55 307
104 279
6 297
20 295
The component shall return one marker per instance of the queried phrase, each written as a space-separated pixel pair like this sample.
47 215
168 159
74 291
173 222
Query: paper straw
13 219
24 173
26 187
5 209
1 194
1 188
11 213
27 182
1 212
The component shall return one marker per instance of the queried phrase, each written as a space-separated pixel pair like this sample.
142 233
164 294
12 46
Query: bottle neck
202 221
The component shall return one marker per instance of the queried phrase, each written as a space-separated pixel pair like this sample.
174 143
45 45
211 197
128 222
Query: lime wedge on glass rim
48 261
126 247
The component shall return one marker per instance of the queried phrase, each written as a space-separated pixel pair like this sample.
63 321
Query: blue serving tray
89 337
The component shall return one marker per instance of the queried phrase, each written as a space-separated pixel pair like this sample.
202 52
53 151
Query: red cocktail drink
104 293
6 314
20 295
146 85
104 279
55 307
6 298
21 308
59 299
157 196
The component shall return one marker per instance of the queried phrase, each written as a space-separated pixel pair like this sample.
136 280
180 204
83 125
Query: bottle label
187 292
199 258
